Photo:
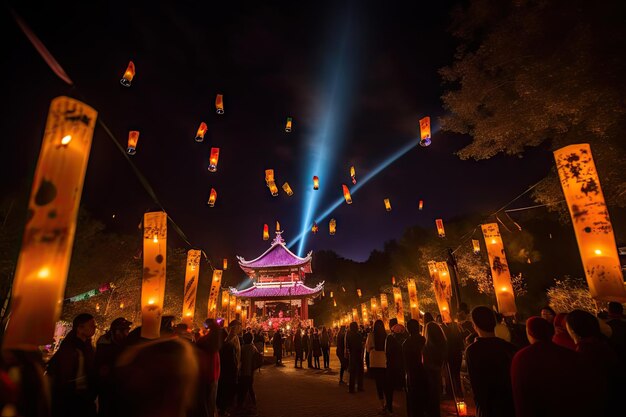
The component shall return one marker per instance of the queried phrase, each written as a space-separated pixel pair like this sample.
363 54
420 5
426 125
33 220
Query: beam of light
412 145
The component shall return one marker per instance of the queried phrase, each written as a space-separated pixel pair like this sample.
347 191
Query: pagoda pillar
252 311
304 309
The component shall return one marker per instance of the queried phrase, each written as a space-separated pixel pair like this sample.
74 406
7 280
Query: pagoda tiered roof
277 260
278 290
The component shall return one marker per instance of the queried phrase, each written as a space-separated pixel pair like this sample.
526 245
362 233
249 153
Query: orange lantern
129 74
353 174
212 197
346 193
273 188
374 308
331 294
384 309
332 226
225 304
288 125
287 189
358 292
425 131
266 232
440 230
153 282
215 156
133 138
201 132
476 246
219 104
269 176
277 226
592 225
192 272
387 204
393 280
414 304
314 228
442 287
225 264
364 313
421 204
499 269
397 298
316 182
462 408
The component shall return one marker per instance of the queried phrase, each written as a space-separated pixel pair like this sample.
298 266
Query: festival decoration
462 408
277 226
314 228
414 304
592 225
212 197
499 269
91 293
334 303
353 174
346 193
133 138
331 294
215 156
442 287
393 280
225 264
225 303
192 272
440 230
421 205
129 74
332 226
358 292
364 314
384 308
374 308
476 246
387 204
266 232
201 132
153 281
219 104
355 315
397 299
288 125
269 176
44 258
287 189
316 182
273 188
233 307
425 131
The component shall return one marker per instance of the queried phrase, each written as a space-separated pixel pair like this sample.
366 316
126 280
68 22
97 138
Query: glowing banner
374 308
384 309
476 246
364 313
440 230
397 299
499 269
387 204
153 282
214 292
42 266
592 225
225 303
443 286
414 304
355 315
192 272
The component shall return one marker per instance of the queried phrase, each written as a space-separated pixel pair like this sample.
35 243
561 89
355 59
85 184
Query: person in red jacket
561 336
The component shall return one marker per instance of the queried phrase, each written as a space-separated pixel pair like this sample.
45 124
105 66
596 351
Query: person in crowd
375 345
502 329
229 369
259 344
167 326
297 345
108 348
561 336
456 346
306 345
341 353
73 373
489 366
288 344
517 330
548 314
435 353
547 379
428 317
325 344
354 349
395 365
316 349
277 344
416 387
249 357
618 329
208 348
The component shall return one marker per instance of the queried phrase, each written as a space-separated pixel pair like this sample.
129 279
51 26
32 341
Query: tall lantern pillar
305 309
442 288
214 293
384 309
364 314
153 282
499 269
226 305
44 259
192 273
412 288
374 308
397 299
592 225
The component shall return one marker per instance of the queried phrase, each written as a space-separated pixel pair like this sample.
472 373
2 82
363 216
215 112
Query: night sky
356 78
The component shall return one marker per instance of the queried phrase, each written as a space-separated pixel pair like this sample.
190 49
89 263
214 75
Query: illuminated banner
214 292
225 303
153 282
364 313
412 288
355 315
441 287
384 309
374 308
192 272
397 299
499 269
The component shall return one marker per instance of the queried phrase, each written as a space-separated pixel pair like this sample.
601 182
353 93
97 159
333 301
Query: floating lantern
153 281
266 232
212 197
219 104
133 138
215 156
592 225
331 294
425 131
288 125
397 298
421 204
44 258
192 272
462 408
287 189
393 280
499 269
358 292
273 188
346 193
121 305
201 132
476 246
316 182
334 303
129 74
269 176
314 228
225 264
414 304
374 307
387 204
440 230
332 226
442 287
353 174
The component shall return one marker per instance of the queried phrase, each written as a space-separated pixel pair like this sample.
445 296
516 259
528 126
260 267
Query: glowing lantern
393 280
476 246
98 307
414 304
269 176
334 303
442 287
384 309
355 315
225 304
133 138
215 156
421 204
316 182
212 197
273 188
343 289
314 228
225 264
346 194
364 313
332 226
425 131
353 174
266 232
499 269
277 226
592 225
287 189
331 294
397 298
219 104
288 125
358 292
387 204
462 408
201 132
44 258
440 230
374 307
129 74
153 282
191 285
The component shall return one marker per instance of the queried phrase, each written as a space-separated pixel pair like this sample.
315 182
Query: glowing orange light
65 140
421 204
287 189
269 176
387 204
462 408
425 131
212 197
129 74
219 104
316 182
273 188
314 228
476 246
214 158
288 125
358 292
133 138
201 132
155 239
332 226
440 230
225 264
346 193
353 174
598 252
277 226
266 232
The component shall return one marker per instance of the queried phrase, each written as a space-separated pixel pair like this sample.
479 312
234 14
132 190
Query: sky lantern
353 174
397 299
129 74
214 158
316 182
192 272
387 204
331 294
133 138
476 246
440 230
273 188
153 281
287 189
414 304
421 205
592 225
334 303
358 292
425 131
314 228
44 258
266 232
212 197
499 269
288 125
269 176
442 287
219 104
225 264
346 193
332 226
201 132
393 280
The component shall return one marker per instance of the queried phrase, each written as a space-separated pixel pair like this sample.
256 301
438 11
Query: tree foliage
569 294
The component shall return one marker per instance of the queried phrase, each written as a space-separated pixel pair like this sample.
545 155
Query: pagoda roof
278 290
278 257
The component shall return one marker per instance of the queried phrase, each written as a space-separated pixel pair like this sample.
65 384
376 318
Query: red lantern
129 74
266 232
421 205
215 156
219 104
212 197
440 230
346 193
133 138
316 182
201 131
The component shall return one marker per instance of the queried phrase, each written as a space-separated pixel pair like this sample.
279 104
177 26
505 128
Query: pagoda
278 282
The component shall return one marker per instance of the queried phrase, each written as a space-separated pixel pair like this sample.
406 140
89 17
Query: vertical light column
441 288
226 305
214 292
153 281
364 314
384 309
355 315
192 272
499 269
374 308
412 288
397 299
